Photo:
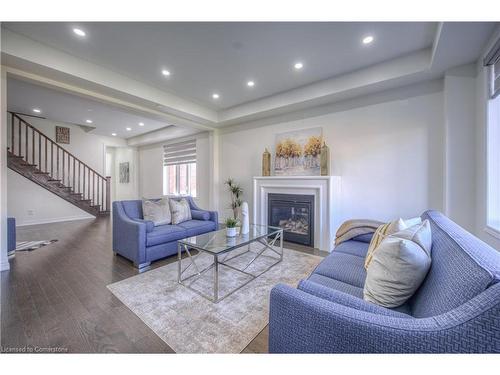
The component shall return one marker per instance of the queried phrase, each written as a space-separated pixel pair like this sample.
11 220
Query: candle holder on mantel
325 160
266 163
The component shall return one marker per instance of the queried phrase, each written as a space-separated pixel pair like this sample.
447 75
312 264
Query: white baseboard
54 220
4 266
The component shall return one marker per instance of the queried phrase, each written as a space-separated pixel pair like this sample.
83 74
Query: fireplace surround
326 192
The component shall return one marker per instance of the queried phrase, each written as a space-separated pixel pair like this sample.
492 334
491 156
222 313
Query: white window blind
495 81
179 153
492 60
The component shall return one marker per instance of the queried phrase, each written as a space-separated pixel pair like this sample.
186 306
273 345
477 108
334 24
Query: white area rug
189 323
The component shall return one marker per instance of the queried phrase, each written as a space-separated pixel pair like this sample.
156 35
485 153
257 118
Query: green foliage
236 193
231 222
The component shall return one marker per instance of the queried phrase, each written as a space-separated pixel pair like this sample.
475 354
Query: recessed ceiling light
88 121
165 72
113 134
298 66
215 96
128 129
141 124
367 39
250 83
36 110
79 32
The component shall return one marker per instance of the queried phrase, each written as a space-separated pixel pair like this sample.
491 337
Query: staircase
38 158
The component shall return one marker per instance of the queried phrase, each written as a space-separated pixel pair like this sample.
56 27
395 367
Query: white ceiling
23 97
120 65
221 57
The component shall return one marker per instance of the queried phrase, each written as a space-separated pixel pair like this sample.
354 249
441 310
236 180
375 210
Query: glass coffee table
236 254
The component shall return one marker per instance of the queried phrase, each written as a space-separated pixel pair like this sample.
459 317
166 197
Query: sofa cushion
382 232
346 299
165 233
462 267
367 237
399 266
157 211
337 285
196 227
343 267
200 215
352 247
181 210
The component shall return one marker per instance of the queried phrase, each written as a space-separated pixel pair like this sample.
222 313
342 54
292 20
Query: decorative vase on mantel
266 163
325 160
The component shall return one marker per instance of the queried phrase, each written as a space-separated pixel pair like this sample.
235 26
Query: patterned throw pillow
399 266
181 211
382 232
157 211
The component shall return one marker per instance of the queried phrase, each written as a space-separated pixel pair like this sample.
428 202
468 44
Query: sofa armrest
129 235
200 215
302 323
150 226
213 215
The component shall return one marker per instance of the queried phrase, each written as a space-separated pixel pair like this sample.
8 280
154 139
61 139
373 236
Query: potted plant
231 227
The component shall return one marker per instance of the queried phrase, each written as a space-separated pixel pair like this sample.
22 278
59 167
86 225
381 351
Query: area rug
32 245
189 323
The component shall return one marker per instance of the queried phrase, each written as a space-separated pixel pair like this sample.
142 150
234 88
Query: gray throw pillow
399 266
157 211
181 211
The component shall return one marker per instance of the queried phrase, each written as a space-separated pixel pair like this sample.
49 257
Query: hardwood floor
55 299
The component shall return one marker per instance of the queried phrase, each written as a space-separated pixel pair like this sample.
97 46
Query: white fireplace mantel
326 191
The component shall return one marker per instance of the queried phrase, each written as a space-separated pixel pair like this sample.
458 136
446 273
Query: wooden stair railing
39 151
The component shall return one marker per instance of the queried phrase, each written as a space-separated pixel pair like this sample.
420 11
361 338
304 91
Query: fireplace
295 214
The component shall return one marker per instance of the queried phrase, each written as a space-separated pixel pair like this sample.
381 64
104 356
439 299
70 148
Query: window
493 155
492 62
179 168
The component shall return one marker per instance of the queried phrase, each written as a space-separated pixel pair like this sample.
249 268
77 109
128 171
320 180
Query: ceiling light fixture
367 39
88 121
215 96
141 124
36 110
250 83
298 66
165 72
113 134
79 32
128 129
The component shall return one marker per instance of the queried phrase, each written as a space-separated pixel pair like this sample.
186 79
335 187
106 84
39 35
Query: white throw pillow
181 211
157 211
399 266
380 234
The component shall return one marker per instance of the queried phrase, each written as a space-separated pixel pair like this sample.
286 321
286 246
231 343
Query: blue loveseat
140 241
456 309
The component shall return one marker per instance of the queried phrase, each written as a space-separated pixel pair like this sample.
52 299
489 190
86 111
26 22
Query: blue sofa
456 309
140 241
11 235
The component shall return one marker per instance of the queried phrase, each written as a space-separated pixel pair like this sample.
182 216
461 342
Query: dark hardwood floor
54 299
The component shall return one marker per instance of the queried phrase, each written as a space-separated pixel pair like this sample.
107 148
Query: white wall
31 204
460 148
4 263
130 190
389 154
151 169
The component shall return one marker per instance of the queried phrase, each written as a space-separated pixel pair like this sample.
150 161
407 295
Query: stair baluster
65 181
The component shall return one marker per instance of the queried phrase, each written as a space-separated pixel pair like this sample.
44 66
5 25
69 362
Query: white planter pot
231 232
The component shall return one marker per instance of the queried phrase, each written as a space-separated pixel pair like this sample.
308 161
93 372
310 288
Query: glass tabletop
217 242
